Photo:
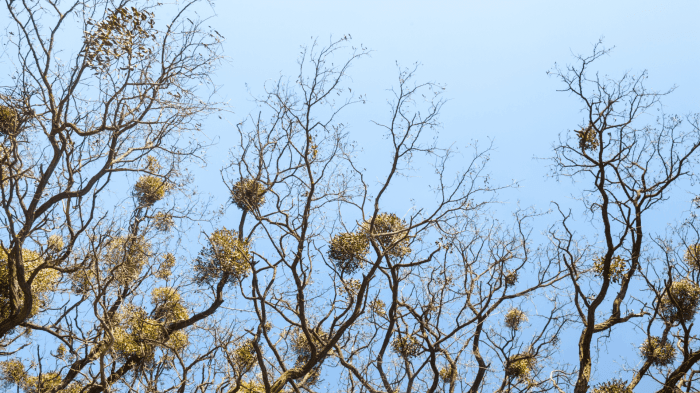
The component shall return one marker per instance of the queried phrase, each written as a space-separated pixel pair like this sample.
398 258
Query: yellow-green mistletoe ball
225 255
514 318
407 346
658 352
245 356
150 189
300 344
8 120
613 386
617 267
390 232
126 256
348 251
511 278
12 372
448 374
163 221
692 256
168 305
520 366
587 138
248 194
680 302
377 306
42 286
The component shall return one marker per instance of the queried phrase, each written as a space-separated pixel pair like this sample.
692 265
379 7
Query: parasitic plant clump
166 265
520 366
448 374
126 256
163 222
613 386
302 348
348 251
377 306
12 372
692 256
150 189
8 120
390 232
138 334
407 346
251 387
511 278
658 352
248 194
124 34
514 318
245 356
226 255
587 138
680 302
617 268
42 286
168 305
300 344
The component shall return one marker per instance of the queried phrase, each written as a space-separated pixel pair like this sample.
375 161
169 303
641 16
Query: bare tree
344 282
324 274
628 167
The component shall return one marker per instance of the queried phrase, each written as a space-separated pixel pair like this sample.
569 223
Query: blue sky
491 55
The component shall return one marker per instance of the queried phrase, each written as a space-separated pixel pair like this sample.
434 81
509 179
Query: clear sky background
491 55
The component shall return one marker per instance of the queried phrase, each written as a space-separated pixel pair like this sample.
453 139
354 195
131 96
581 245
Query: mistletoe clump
165 269
8 120
658 352
407 346
12 372
391 234
348 251
251 387
692 256
511 278
377 306
680 302
248 194
300 344
514 318
44 282
448 374
302 348
520 366
127 256
168 305
163 221
140 335
54 243
225 255
150 189
617 267
351 287
587 138
613 386
245 356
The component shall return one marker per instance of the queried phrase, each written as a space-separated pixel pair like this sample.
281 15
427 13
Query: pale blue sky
492 56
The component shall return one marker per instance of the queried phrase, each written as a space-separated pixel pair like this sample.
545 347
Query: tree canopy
324 281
